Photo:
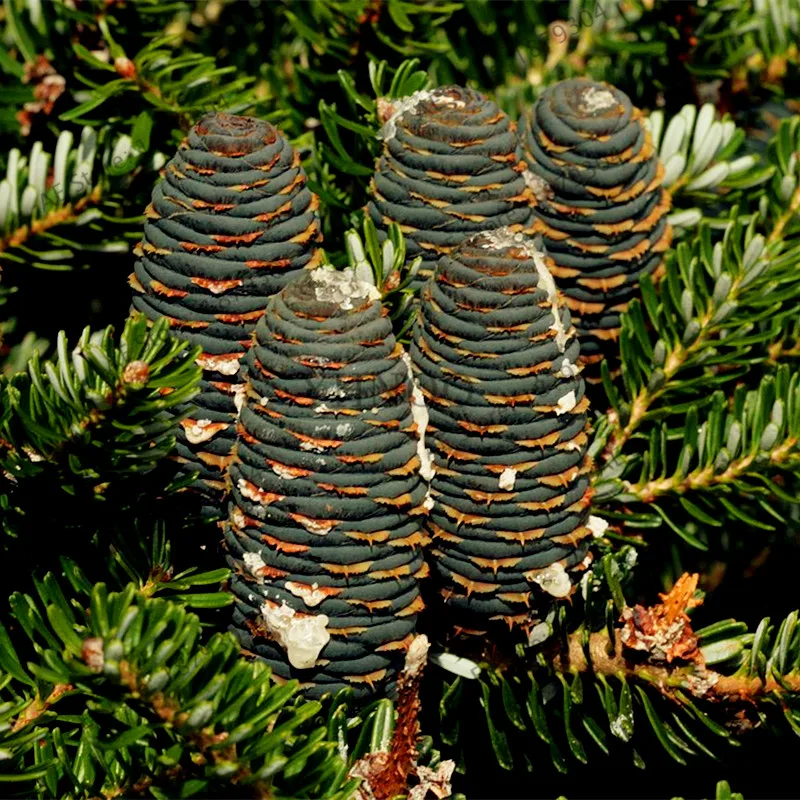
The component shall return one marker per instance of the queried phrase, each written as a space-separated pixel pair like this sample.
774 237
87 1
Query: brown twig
60 216
707 478
403 749
387 773
782 221
657 645
612 661
38 706
676 361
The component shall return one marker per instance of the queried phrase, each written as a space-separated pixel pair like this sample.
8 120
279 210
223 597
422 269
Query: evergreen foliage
118 676
157 711
78 426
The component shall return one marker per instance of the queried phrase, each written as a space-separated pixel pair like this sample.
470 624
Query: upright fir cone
231 223
494 355
449 169
600 205
324 532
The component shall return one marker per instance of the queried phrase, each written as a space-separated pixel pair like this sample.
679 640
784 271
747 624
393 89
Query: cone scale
324 532
600 207
448 170
494 355
229 225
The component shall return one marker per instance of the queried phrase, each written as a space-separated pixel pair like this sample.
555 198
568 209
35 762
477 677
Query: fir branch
75 188
216 719
181 85
706 478
722 307
65 215
101 388
72 428
674 655
708 290
740 454
598 683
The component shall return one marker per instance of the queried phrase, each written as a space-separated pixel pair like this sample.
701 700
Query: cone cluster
449 169
231 223
324 532
494 356
600 206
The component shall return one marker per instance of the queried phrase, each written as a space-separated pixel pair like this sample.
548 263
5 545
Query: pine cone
600 207
494 355
232 222
324 531
449 169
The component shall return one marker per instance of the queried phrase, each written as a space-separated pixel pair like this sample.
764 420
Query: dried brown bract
387 774
664 631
